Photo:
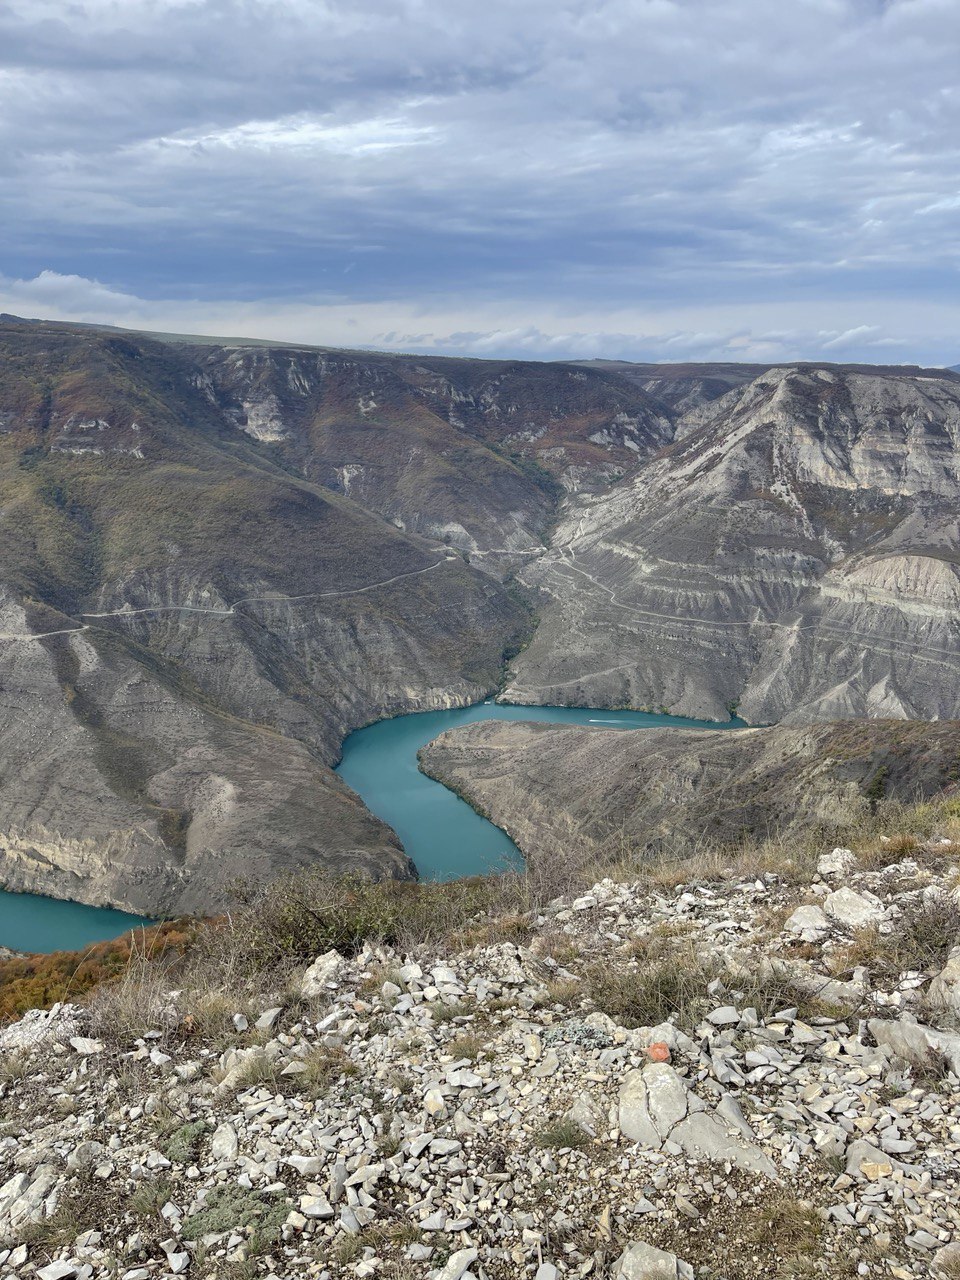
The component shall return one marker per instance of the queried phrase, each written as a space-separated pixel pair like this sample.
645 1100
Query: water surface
30 922
440 832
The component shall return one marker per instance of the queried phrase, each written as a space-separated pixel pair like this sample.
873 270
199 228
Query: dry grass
668 977
793 1226
557 946
949 1270
451 1010
466 1046
324 1068
559 1134
920 940
487 933
874 855
14 1066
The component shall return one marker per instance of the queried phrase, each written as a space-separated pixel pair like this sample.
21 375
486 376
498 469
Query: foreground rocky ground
736 1076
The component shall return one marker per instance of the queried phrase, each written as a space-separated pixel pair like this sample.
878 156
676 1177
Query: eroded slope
794 555
588 791
189 630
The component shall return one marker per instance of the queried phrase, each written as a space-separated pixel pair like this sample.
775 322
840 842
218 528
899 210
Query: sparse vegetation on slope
709 1065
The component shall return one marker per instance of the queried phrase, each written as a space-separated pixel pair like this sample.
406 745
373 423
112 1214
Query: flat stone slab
853 910
641 1261
657 1107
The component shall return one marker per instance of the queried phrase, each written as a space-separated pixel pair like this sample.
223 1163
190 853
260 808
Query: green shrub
182 1144
303 915
231 1208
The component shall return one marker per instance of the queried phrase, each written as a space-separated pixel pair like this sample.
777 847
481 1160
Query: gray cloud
680 166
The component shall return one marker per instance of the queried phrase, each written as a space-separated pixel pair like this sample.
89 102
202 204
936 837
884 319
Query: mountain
217 558
217 561
793 554
588 790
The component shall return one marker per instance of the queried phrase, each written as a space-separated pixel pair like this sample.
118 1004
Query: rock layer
794 554
556 788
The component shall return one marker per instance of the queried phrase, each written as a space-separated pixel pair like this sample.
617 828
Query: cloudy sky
644 179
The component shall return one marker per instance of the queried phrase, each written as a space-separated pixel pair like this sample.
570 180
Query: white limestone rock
914 1044
839 862
319 978
657 1107
943 995
641 1261
853 910
808 923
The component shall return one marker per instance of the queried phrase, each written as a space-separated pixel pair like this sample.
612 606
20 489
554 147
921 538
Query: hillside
793 554
734 1073
217 560
593 790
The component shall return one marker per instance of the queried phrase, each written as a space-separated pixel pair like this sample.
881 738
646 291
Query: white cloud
681 168
307 133
342 323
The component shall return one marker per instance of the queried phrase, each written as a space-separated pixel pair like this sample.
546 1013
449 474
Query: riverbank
444 835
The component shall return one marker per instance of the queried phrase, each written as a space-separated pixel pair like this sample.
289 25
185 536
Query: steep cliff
189 629
793 554
471 453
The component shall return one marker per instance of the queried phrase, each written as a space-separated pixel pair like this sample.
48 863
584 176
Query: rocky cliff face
462 451
794 554
189 630
216 560
589 789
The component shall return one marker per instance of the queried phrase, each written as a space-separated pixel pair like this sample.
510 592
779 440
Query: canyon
219 559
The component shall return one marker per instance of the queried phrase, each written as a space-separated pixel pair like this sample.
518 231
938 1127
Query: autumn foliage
38 981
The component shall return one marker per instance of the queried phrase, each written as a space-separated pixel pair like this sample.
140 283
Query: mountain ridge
218 561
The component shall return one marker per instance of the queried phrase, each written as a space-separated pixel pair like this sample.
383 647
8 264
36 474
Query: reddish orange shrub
38 981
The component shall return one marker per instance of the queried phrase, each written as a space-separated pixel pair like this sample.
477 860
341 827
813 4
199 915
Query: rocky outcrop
657 1108
794 554
582 787
462 451
418 1112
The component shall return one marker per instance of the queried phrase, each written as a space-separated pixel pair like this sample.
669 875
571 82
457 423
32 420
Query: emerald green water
440 832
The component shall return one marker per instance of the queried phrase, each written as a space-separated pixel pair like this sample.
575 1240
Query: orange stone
659 1052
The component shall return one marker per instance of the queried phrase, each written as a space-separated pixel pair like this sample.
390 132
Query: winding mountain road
230 610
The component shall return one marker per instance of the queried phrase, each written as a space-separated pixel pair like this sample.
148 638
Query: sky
760 180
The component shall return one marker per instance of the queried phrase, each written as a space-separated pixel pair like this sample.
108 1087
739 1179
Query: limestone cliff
793 554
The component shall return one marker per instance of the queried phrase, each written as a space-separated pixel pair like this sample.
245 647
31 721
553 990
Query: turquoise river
441 833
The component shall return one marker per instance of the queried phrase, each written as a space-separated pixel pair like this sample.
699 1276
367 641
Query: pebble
448 1122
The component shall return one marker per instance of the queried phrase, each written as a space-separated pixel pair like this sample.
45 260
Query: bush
921 939
314 911
183 1143
38 981
231 1208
